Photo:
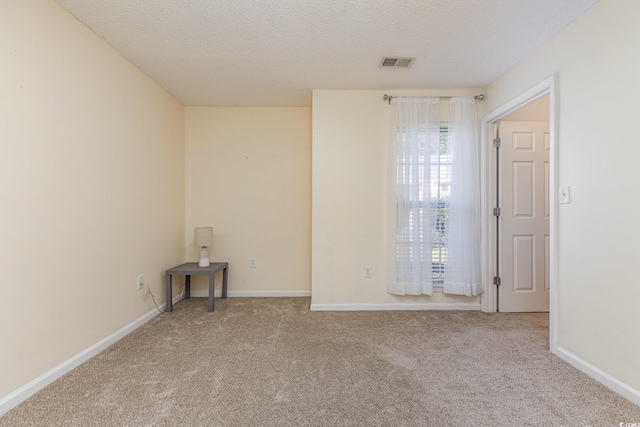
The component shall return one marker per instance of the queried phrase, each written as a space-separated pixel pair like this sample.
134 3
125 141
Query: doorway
489 124
522 183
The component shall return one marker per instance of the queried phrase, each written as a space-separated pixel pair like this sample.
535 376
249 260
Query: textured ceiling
274 52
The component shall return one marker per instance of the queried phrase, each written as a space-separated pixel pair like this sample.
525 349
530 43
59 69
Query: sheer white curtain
415 131
462 272
433 198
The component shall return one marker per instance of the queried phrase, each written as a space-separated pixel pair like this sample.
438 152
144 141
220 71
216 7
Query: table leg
187 286
212 278
168 304
224 283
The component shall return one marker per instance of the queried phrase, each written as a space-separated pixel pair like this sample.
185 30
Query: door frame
488 161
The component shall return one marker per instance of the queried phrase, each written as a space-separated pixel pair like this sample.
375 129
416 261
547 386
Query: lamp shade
204 236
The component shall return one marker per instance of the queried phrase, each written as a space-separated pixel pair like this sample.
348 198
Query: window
431 202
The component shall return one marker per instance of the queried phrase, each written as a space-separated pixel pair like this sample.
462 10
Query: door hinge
496 280
497 142
496 211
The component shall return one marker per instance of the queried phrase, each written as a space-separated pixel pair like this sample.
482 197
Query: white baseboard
384 307
599 375
23 393
254 294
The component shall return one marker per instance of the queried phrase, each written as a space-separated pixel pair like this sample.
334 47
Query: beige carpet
272 362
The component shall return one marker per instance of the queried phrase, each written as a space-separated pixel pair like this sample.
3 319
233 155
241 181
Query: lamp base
204 257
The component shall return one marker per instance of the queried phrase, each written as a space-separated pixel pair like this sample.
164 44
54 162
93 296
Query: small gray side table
190 268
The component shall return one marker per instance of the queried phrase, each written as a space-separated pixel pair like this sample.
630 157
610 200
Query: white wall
597 64
92 189
350 132
248 175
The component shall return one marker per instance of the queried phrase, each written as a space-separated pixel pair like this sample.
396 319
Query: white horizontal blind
429 204
440 182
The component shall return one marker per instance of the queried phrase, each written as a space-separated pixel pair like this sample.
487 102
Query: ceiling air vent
396 62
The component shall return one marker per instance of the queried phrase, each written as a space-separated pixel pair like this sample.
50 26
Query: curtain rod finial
479 97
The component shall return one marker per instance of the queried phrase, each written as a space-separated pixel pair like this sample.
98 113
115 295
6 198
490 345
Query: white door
523 225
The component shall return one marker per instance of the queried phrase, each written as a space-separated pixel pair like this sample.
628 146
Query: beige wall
92 189
350 131
537 111
248 175
597 64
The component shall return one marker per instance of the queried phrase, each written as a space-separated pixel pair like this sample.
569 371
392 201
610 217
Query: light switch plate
565 194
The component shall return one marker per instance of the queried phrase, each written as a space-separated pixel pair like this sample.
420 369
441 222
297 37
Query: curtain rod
389 97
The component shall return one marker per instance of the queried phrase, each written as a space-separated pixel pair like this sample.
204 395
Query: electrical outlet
368 272
253 263
139 281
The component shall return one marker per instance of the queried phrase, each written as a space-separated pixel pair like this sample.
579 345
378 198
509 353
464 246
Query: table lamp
204 238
